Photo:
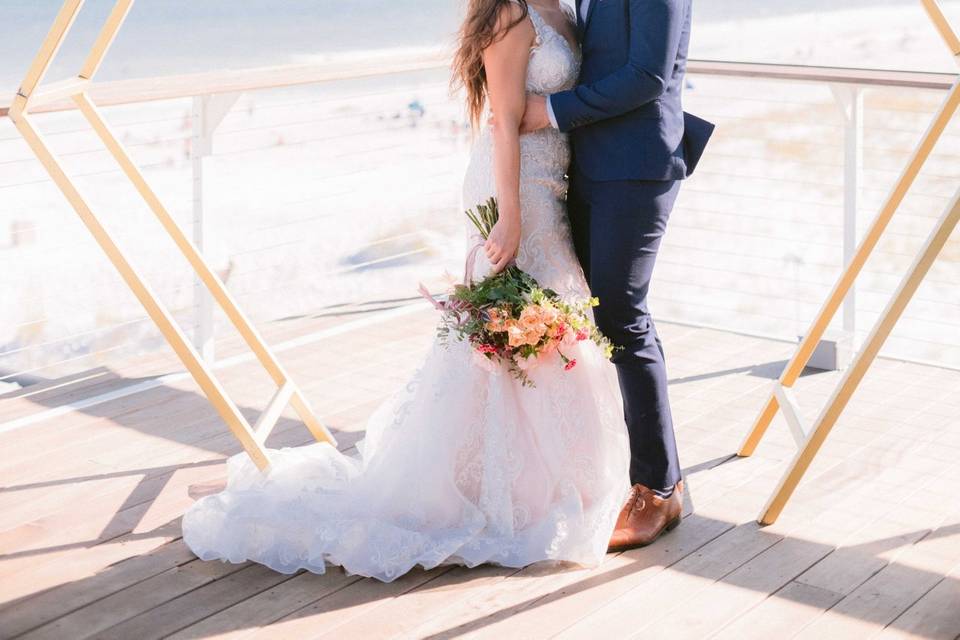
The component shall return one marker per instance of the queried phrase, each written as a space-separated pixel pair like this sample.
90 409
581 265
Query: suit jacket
625 117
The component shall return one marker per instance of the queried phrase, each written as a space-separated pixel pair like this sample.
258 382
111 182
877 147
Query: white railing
801 163
801 158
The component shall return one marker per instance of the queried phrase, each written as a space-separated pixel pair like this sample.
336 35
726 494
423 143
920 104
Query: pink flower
486 348
570 365
582 334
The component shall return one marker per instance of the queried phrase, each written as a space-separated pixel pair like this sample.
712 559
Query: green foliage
468 311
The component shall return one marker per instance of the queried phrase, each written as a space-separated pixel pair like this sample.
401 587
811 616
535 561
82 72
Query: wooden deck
91 496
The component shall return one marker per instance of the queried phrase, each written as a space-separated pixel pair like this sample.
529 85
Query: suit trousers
617 229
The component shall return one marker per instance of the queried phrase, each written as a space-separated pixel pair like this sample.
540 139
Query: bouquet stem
485 217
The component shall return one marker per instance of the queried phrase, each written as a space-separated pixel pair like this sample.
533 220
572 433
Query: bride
464 465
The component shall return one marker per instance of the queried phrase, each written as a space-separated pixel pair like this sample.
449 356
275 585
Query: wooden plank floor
91 499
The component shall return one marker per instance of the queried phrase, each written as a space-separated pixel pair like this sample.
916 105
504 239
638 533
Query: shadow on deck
91 498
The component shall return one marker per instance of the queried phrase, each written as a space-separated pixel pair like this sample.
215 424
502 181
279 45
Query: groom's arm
655 30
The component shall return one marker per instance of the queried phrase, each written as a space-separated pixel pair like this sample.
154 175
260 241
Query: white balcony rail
801 159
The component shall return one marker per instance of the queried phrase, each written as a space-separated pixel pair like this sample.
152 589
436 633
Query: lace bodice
545 246
554 63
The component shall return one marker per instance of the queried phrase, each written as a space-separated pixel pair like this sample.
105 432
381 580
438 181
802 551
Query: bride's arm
505 62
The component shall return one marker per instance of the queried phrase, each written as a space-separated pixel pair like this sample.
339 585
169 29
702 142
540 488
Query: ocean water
183 36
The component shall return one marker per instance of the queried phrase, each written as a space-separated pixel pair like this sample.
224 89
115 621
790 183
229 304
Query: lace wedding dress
463 465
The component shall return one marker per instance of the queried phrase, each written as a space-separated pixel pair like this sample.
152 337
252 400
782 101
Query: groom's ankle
669 491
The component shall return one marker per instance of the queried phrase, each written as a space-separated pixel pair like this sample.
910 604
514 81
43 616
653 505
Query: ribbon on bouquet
471 259
467 278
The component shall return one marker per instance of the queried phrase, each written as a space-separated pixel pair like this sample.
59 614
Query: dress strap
535 19
538 24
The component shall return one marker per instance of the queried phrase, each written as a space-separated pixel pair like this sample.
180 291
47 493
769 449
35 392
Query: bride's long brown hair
478 32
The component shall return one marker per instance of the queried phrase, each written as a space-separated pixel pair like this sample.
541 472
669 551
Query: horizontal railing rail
121 92
135 91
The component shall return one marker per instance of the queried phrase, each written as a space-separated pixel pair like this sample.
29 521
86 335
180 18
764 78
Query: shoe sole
673 524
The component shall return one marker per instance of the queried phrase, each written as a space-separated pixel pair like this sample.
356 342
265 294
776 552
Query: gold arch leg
810 442
31 94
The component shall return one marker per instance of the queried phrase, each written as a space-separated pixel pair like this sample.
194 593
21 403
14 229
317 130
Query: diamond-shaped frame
31 95
780 399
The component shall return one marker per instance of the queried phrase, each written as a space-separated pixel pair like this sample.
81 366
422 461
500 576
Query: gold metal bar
302 406
942 25
18 106
157 312
881 331
760 426
50 47
210 279
251 441
108 33
854 375
835 300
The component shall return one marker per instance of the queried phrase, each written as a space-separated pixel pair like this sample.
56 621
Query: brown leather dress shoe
645 517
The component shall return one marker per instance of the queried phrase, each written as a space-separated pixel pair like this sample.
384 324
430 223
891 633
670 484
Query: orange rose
516 336
549 315
530 317
532 336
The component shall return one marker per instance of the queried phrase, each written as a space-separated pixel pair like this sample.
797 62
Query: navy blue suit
632 144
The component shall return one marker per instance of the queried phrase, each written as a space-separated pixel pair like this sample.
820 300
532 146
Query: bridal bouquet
511 320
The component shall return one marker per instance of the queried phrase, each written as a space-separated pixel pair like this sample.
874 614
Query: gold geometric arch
31 95
809 440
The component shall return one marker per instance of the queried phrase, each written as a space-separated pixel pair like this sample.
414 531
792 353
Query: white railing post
202 300
853 178
208 112
850 101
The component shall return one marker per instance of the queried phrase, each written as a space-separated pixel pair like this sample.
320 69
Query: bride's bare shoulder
513 22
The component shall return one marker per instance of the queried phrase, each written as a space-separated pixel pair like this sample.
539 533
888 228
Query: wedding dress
464 465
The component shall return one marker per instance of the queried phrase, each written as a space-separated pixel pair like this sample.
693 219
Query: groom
632 145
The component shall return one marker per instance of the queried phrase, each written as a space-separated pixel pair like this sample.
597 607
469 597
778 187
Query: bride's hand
504 242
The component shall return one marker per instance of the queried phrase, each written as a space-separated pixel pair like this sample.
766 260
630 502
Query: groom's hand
535 115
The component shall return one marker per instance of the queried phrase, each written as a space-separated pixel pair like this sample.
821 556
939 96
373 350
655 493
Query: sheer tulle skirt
463 466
